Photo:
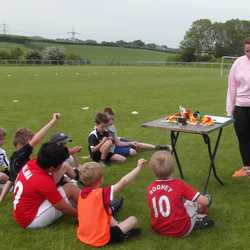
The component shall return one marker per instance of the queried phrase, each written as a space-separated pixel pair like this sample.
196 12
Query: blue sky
158 21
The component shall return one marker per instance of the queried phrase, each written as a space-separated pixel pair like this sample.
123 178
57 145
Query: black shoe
203 223
164 147
116 204
132 233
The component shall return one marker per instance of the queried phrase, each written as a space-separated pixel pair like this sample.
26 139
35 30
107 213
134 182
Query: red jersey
166 203
33 186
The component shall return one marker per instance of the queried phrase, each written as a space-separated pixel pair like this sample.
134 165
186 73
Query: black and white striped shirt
4 161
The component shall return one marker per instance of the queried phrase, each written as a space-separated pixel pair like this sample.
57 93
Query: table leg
212 155
174 137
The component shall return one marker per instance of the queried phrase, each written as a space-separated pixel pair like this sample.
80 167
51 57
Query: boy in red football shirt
37 202
176 208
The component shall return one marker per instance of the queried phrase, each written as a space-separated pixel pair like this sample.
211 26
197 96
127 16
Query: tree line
137 44
206 40
55 55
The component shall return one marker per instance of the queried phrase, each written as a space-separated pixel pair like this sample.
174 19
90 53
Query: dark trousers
242 129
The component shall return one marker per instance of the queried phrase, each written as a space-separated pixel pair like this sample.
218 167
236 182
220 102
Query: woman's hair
90 173
52 155
22 136
247 41
162 164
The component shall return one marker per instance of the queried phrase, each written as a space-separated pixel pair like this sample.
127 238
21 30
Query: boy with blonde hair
97 227
176 208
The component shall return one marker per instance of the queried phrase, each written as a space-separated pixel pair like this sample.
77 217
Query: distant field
97 53
154 92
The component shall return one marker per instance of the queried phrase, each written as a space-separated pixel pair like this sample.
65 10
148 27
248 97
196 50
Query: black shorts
116 235
96 156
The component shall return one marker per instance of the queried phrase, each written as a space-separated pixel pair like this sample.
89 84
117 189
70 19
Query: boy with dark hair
126 147
101 143
24 142
4 162
176 208
96 226
70 166
37 201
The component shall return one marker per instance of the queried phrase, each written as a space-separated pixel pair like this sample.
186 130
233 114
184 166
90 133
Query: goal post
226 64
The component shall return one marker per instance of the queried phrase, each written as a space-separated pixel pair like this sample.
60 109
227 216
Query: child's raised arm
39 136
125 180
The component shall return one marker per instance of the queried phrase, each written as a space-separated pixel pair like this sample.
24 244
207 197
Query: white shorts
46 213
192 211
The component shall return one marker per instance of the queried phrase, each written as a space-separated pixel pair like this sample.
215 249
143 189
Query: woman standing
238 106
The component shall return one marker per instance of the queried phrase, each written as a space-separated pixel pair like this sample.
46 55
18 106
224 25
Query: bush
4 54
73 57
33 55
187 54
56 55
16 53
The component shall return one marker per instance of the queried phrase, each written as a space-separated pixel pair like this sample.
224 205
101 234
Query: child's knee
70 190
133 220
3 178
132 152
107 144
122 159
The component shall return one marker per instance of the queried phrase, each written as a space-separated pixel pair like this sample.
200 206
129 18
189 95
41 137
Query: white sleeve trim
112 193
196 196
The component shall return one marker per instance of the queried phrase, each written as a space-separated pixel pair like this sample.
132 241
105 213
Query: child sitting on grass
101 142
124 146
176 208
69 171
25 141
4 162
97 227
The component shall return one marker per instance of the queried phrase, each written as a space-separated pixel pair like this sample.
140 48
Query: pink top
238 93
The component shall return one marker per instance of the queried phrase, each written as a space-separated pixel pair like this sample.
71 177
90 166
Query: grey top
192 129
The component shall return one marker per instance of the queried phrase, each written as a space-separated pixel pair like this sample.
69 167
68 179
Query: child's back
168 213
95 216
176 208
97 227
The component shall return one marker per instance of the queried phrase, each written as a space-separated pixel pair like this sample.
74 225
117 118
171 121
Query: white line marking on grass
85 108
15 101
134 112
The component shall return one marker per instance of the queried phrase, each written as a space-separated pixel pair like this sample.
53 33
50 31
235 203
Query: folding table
204 131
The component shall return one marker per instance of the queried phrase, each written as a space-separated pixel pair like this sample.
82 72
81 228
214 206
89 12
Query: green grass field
99 53
154 92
